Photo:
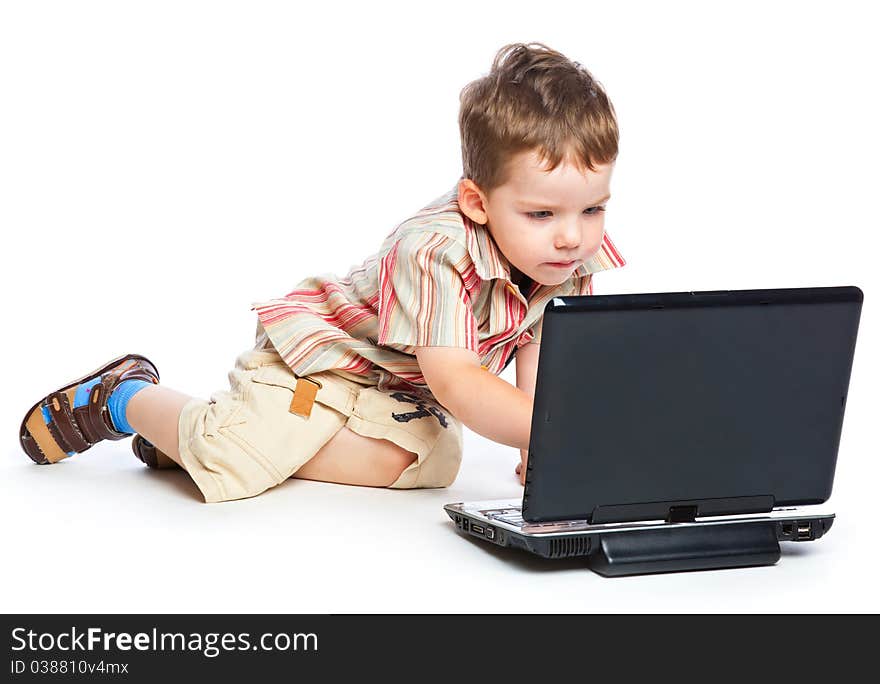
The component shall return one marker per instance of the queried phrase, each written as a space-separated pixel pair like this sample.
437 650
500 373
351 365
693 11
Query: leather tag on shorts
303 397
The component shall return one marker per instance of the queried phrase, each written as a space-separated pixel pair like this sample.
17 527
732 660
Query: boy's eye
591 211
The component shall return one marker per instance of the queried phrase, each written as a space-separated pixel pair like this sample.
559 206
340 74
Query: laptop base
677 549
647 546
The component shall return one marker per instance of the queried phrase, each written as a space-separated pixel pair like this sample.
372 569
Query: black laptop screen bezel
559 486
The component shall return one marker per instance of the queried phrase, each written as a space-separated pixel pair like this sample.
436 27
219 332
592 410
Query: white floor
102 533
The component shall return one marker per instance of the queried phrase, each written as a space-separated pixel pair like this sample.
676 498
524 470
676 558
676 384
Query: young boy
367 379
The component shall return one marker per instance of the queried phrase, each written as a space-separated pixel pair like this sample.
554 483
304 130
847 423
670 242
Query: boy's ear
472 201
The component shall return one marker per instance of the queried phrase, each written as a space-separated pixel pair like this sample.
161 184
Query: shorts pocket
276 374
332 391
275 384
252 452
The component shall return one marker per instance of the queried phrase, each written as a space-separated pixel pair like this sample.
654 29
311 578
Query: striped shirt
438 279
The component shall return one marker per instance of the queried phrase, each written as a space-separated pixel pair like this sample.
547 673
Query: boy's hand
521 466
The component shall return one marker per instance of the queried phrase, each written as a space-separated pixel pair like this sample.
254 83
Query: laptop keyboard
513 516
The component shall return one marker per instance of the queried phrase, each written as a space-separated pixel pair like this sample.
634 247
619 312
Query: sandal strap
32 450
96 414
63 427
95 417
86 424
59 439
139 370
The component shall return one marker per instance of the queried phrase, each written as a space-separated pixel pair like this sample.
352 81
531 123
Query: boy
366 380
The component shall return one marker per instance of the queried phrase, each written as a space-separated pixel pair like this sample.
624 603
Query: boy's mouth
561 264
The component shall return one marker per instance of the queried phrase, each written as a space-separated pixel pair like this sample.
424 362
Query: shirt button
485 368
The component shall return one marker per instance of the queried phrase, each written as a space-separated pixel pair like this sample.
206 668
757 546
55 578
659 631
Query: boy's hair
534 98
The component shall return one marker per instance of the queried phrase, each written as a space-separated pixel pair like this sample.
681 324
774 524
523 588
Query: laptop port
465 524
478 529
787 529
804 530
490 533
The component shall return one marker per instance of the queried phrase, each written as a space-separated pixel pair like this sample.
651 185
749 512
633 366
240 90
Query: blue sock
116 404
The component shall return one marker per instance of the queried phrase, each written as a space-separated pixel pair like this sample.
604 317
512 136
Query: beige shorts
247 439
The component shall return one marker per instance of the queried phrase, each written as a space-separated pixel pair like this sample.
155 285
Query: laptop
680 430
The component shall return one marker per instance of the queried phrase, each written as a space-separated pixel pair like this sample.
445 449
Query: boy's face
545 223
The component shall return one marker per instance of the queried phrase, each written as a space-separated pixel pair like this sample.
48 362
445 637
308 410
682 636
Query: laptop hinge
679 514
682 511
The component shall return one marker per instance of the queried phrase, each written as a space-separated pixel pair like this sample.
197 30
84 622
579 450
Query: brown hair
534 98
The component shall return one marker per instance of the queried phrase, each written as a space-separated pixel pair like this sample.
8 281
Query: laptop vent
569 546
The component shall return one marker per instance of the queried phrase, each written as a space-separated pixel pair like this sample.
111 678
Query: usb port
478 529
803 530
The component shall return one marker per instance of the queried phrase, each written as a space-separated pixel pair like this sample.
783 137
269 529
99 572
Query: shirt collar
489 261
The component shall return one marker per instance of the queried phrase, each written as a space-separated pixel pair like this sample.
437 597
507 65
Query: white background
165 164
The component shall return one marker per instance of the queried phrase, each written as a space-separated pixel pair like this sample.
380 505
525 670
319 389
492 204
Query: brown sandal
52 429
150 455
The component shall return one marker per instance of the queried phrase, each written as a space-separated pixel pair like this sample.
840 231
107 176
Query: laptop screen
725 400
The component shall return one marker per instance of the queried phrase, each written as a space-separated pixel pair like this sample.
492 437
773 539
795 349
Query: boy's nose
569 237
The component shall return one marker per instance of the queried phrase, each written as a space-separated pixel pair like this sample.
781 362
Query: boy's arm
526 376
485 403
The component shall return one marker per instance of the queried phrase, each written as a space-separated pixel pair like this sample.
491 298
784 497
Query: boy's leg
59 425
414 422
154 413
348 458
